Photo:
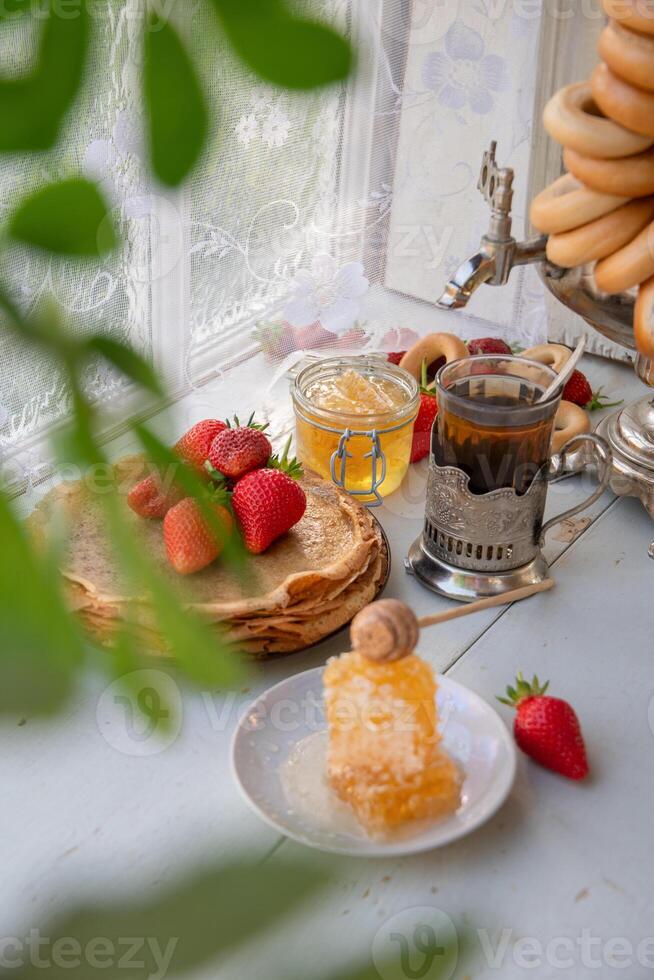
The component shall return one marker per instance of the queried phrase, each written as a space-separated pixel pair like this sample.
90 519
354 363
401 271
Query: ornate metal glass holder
478 545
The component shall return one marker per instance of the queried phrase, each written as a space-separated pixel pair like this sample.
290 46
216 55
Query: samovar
567 54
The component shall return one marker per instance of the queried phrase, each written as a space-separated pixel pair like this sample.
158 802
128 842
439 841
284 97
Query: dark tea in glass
489 422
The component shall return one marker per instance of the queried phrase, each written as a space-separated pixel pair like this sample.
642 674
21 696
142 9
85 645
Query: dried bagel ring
430 349
644 319
637 15
622 102
571 420
629 266
567 204
553 355
601 237
631 177
629 55
571 118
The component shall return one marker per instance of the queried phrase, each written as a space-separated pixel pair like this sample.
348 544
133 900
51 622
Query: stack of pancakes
308 584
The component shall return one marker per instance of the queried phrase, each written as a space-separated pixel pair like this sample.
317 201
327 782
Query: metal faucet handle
496 183
499 252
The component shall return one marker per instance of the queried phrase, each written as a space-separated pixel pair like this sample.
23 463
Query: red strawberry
235 452
194 446
276 339
547 729
151 499
424 421
432 369
191 541
488 345
579 391
312 336
267 504
399 338
355 337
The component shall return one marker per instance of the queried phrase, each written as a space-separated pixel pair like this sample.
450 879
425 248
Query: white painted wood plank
560 857
88 818
81 816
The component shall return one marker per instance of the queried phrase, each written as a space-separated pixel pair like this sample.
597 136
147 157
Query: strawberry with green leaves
432 369
427 412
268 502
237 451
547 729
154 496
578 390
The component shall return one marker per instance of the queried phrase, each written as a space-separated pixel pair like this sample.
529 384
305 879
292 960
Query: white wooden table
559 883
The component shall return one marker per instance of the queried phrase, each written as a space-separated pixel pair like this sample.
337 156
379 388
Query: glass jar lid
330 389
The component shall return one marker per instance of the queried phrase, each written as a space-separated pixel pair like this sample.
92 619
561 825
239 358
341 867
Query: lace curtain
333 221
291 236
260 208
103 142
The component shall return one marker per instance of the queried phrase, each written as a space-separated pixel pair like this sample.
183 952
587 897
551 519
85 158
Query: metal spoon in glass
565 372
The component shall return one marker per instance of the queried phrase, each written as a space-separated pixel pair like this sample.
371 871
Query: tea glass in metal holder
487 484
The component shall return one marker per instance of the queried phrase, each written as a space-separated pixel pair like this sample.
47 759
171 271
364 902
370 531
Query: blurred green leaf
127 361
10 9
289 51
194 921
196 648
76 442
175 104
424 955
127 662
41 647
33 107
69 217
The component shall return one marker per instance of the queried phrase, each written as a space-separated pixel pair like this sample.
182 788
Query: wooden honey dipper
388 629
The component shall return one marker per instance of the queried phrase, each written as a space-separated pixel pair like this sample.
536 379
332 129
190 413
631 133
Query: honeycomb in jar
354 396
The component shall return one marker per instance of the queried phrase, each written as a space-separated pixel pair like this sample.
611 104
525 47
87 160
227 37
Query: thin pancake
331 541
310 583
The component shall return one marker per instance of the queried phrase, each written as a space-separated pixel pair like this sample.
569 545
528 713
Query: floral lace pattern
114 296
327 294
262 208
463 74
269 250
468 82
266 120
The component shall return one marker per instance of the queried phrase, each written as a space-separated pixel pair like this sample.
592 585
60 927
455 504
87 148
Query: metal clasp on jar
377 457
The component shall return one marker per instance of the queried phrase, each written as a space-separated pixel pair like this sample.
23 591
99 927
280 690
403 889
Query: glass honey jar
354 423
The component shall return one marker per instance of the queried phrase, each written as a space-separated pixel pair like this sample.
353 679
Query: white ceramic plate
289 717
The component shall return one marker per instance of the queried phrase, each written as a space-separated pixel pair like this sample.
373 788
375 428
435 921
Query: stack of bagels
602 209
